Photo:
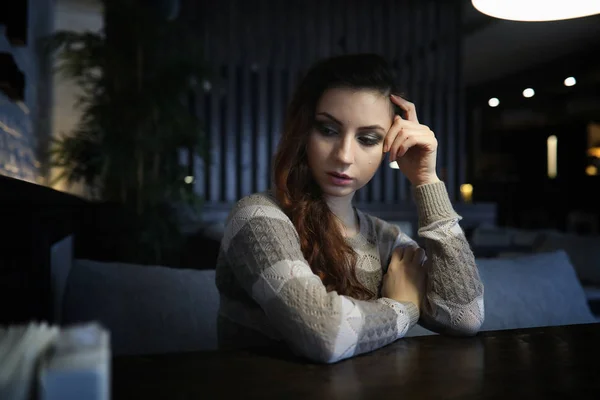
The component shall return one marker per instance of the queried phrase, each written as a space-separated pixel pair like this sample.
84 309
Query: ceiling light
529 92
537 10
493 102
570 81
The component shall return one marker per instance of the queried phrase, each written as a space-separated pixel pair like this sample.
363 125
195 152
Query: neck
342 208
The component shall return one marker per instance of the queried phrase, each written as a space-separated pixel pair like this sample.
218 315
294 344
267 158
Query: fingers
408 138
412 253
392 133
404 253
398 140
398 253
406 144
411 111
401 127
419 256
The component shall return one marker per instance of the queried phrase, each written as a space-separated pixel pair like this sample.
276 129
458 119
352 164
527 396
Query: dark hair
321 241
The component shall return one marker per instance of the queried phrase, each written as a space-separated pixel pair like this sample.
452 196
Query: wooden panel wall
260 48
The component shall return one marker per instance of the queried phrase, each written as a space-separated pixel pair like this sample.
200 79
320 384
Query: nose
345 150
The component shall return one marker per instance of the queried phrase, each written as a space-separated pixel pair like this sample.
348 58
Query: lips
337 179
337 175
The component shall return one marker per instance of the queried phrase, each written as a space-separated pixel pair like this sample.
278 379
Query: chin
337 191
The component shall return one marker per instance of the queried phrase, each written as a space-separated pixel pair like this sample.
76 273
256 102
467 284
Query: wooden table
557 362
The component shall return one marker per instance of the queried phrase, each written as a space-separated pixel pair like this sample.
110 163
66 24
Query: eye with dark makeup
366 139
371 139
325 128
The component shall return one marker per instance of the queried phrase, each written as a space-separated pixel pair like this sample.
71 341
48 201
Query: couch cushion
533 290
583 251
147 309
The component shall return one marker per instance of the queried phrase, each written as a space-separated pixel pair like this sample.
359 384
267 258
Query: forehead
356 107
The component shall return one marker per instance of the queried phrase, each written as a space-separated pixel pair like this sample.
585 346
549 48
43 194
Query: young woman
300 267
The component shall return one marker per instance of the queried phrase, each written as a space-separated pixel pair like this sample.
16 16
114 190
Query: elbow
322 353
471 320
327 349
470 328
324 359
463 321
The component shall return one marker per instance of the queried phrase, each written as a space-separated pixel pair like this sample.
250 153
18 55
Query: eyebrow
331 117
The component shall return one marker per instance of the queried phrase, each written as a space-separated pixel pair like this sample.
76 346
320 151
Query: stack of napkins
49 363
20 349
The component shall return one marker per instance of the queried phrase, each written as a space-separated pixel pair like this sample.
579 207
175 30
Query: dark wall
260 48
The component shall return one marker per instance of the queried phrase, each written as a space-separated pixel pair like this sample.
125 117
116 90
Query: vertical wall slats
351 28
336 23
214 139
427 62
277 26
263 151
230 121
262 47
364 26
323 28
197 163
377 25
246 160
353 33
231 130
389 23
371 43
439 125
461 113
409 72
277 108
452 105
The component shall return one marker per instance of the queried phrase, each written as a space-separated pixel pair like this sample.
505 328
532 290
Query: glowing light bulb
529 92
570 81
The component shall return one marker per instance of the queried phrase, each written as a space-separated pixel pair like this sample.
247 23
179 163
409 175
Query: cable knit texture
270 296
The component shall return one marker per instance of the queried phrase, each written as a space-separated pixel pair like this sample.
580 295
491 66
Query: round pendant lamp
537 10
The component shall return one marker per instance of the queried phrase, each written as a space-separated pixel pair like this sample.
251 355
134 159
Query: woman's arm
262 247
453 302
454 297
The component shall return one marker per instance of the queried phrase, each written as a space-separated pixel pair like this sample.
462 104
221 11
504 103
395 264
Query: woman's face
345 145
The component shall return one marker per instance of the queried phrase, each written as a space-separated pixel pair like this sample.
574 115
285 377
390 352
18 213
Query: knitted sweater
269 294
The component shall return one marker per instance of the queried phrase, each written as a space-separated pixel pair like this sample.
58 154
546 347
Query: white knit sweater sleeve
263 249
454 297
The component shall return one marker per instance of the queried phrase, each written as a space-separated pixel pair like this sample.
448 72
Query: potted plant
136 78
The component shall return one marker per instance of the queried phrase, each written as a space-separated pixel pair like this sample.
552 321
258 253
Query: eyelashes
325 129
366 139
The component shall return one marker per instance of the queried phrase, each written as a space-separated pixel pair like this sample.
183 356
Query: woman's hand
412 145
404 280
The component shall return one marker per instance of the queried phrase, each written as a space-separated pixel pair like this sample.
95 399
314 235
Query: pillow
147 309
534 290
584 252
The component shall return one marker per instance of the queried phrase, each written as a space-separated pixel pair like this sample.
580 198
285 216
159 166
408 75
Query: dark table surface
558 362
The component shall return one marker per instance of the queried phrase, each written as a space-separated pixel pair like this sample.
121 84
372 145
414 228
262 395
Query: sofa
155 309
583 251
